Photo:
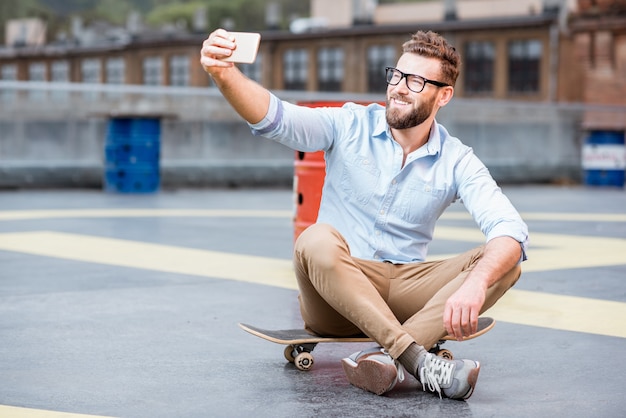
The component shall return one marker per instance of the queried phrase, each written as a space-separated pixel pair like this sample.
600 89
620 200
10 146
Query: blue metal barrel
604 158
132 151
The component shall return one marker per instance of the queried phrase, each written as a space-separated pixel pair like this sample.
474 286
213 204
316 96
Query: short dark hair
432 45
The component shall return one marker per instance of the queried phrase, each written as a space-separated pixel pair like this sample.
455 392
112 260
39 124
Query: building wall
341 15
571 77
354 42
600 47
501 40
430 11
48 139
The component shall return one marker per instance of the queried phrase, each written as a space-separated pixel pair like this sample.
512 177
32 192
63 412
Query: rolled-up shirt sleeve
514 228
491 209
299 127
271 119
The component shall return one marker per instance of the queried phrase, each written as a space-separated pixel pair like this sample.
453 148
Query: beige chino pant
395 304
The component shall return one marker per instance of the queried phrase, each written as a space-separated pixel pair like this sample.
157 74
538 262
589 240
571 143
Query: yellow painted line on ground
117 252
15 412
147 213
574 217
521 307
569 313
140 213
557 252
550 216
552 251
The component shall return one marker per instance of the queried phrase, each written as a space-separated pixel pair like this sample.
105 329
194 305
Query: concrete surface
127 306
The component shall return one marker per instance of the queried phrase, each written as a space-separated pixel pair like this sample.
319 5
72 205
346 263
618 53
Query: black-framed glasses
414 82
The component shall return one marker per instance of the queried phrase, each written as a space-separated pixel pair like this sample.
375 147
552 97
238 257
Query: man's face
406 109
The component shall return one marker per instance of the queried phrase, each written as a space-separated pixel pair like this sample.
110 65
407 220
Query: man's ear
445 95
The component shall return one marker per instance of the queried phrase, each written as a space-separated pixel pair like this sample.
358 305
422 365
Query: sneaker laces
435 371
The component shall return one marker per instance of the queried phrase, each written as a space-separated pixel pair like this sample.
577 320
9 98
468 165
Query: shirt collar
381 129
433 146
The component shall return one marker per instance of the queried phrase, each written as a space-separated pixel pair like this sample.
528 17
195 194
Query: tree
114 11
248 15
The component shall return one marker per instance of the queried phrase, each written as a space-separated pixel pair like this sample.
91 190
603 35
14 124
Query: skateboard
300 343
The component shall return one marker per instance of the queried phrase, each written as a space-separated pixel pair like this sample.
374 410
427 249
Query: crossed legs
395 305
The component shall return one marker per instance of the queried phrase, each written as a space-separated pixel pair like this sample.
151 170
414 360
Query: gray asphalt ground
113 339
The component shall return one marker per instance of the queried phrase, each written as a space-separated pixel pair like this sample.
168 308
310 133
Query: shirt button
377 232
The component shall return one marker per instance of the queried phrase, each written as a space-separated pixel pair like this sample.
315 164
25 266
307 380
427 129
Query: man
390 173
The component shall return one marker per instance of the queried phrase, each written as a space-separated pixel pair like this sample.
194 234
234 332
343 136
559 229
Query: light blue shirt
384 210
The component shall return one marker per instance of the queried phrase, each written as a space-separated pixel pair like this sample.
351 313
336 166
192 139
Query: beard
398 120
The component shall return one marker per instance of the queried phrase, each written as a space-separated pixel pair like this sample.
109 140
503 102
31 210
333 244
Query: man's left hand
460 316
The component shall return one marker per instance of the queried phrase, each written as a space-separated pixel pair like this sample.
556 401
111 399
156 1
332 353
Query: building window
90 73
179 70
524 68
60 73
114 71
379 57
296 66
253 70
330 69
37 72
8 73
479 67
152 71
90 70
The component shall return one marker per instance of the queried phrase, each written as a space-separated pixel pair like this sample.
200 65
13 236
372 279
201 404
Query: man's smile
400 102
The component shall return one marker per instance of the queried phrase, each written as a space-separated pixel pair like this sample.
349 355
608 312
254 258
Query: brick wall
591 7
600 43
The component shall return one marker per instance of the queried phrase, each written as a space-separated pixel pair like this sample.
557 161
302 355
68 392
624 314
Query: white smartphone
247 47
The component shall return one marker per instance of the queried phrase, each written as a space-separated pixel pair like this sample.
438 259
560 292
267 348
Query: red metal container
308 180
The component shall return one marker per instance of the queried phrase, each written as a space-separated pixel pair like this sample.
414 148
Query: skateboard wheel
447 354
304 361
289 354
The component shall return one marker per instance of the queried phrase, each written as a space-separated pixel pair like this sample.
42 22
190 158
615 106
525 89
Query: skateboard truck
300 355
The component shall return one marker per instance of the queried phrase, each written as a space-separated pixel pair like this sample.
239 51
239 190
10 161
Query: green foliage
20 9
172 12
64 8
401 1
114 11
245 14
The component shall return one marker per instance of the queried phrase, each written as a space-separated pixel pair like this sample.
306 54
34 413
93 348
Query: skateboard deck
300 343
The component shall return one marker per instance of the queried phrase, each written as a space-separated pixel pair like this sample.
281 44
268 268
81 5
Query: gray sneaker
455 378
373 370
